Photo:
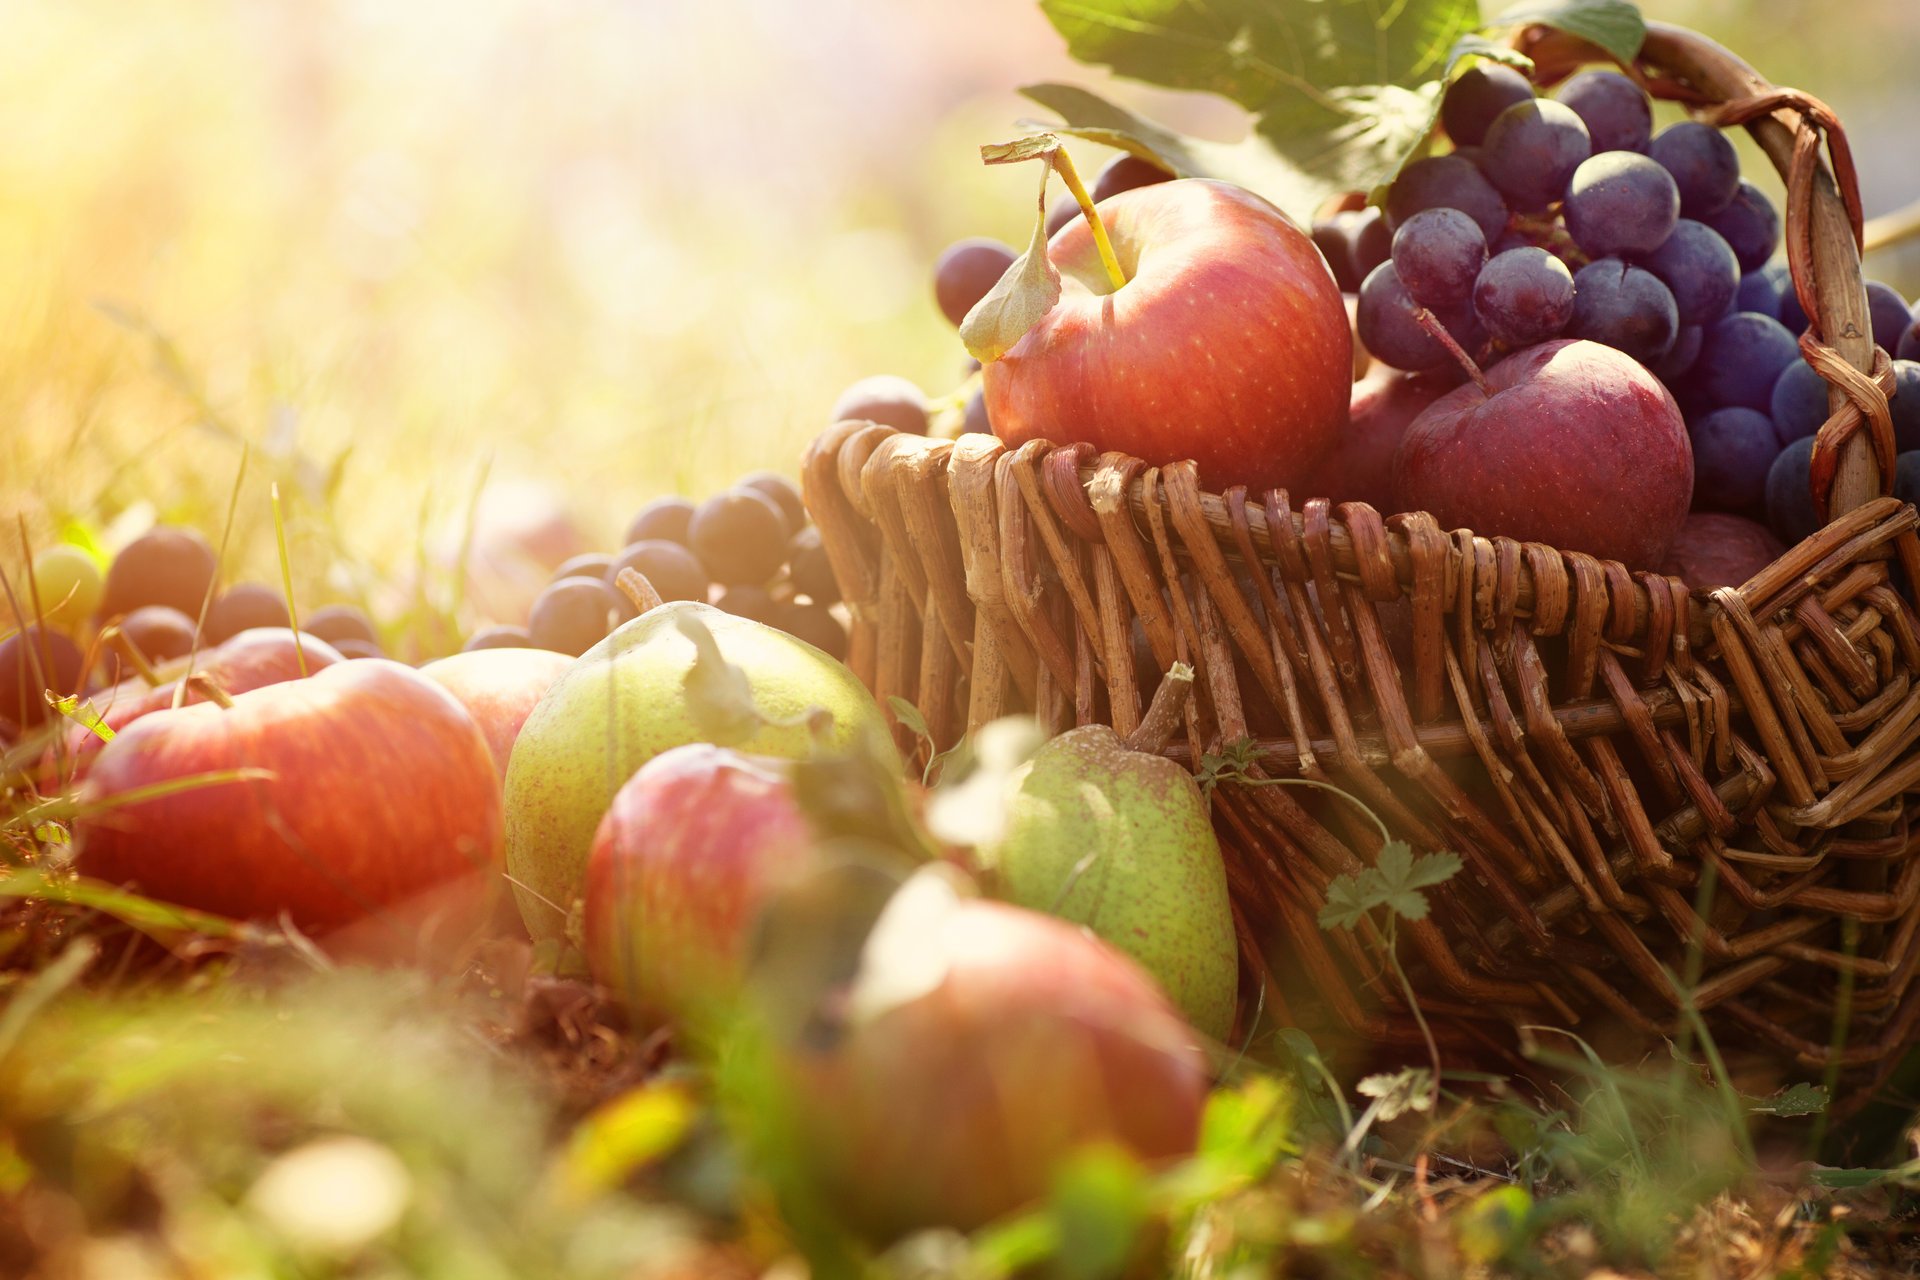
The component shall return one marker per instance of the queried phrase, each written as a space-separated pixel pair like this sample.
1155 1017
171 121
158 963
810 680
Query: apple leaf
1028 290
1613 25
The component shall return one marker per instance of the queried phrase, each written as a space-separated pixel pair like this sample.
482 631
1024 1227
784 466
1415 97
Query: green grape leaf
1028 290
1613 25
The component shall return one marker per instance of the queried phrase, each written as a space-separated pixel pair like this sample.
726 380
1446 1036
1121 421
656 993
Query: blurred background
622 247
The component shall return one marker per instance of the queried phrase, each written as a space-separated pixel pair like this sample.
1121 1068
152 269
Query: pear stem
205 685
127 649
634 586
1063 165
1431 323
1164 714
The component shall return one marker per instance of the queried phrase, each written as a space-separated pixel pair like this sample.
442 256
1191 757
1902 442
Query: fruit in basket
627 700
67 584
1531 150
886 399
1354 242
1741 357
1790 512
1228 342
1750 225
1124 173
1703 163
1614 109
1475 99
1448 182
1699 267
1716 549
1620 202
1438 253
165 565
1569 443
1733 448
1624 307
380 787
499 688
1120 841
34 661
785 495
680 868
982 1046
1360 468
1523 296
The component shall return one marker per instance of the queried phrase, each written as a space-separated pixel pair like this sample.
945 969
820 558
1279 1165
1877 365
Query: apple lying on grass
1214 332
499 688
980 1046
377 787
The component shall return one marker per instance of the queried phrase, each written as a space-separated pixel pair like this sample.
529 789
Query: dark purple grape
590 564
1792 314
243 606
1620 202
1906 476
1760 291
1531 151
1681 357
747 601
163 633
503 637
1354 242
1064 210
1701 270
1624 307
975 419
336 622
1889 313
1389 328
964 271
662 518
1524 296
1790 493
1124 173
572 616
784 492
1476 98
1732 450
809 568
1799 402
740 536
1909 348
1750 224
813 623
1615 110
1905 405
1741 357
355 648
886 399
165 565
34 661
1703 164
1438 254
1447 182
674 571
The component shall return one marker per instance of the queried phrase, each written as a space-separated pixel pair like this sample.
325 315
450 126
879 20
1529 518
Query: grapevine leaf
1613 25
1018 300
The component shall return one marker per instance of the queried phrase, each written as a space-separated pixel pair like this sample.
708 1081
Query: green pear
626 700
1119 840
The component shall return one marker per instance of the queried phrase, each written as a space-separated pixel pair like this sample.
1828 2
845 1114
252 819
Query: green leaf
83 714
1494 1226
1099 1204
624 1136
1800 1100
1614 25
1341 89
1394 882
909 715
1349 898
1018 300
1399 1092
157 919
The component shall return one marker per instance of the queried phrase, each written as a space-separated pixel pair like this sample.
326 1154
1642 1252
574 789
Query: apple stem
1163 716
123 643
1431 323
634 586
203 684
1063 165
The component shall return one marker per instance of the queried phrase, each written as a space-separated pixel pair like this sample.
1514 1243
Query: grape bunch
749 550
1570 217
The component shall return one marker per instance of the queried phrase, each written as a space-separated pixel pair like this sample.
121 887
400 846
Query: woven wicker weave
1605 751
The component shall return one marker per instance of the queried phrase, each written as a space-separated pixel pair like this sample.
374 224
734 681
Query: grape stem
1063 165
1431 323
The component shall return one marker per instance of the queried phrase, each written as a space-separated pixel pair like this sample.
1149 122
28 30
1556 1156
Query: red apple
382 788
499 687
1569 443
1360 468
695 843
1719 550
1228 344
1013 1039
251 660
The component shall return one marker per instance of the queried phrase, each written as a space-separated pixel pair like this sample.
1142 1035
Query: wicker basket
1642 782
